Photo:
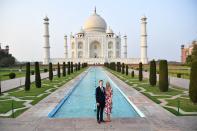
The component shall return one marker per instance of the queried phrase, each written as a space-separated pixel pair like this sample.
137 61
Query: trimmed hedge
71 67
45 70
140 72
68 68
123 66
58 70
50 71
163 76
193 82
12 75
37 75
27 77
153 73
133 74
127 69
64 69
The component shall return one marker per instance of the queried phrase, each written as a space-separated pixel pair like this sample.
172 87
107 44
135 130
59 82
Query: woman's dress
108 102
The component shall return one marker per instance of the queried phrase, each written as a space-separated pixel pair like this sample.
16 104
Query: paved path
157 118
17 82
178 82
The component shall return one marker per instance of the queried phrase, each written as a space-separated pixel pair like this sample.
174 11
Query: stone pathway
17 82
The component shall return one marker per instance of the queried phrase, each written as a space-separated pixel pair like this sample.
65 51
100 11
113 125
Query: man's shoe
102 121
98 122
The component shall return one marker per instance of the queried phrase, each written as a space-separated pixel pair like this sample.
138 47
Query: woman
108 101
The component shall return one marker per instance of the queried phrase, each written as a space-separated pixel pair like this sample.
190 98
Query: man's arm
96 95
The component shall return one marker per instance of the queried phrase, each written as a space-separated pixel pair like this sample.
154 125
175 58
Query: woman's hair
108 86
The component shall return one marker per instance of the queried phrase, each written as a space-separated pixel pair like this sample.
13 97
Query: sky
171 23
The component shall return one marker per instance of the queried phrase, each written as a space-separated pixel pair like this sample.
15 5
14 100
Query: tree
6 59
189 60
58 70
0 85
79 66
163 75
153 73
127 69
27 77
68 68
50 71
140 71
64 69
194 51
37 75
123 66
193 82
71 65
132 74
76 66
118 67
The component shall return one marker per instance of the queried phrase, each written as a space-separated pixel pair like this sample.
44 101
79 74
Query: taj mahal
96 43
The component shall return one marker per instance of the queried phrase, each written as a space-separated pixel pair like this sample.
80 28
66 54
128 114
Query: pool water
81 103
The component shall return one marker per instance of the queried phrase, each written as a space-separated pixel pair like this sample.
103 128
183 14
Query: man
100 101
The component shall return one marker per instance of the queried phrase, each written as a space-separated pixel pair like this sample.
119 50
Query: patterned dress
108 101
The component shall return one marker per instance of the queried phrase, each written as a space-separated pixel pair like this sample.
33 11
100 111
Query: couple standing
103 101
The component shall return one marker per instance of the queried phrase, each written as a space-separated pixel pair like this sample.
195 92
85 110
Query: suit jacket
100 96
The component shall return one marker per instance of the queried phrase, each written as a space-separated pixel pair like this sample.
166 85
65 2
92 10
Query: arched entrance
95 49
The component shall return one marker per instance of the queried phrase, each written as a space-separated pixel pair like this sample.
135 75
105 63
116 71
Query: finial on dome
46 18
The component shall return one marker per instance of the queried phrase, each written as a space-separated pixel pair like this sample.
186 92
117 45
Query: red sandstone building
186 50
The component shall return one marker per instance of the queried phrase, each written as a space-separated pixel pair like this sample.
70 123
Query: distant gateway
95 43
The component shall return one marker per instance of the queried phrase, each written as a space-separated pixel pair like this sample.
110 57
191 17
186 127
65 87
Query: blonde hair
108 86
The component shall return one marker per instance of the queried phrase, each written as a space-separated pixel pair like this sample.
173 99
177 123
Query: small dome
109 31
95 23
143 17
81 31
46 18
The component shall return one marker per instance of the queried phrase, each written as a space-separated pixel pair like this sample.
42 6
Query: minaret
144 58
65 47
46 47
125 46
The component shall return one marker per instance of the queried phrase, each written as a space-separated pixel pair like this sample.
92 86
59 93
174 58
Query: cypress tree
64 69
127 70
123 66
140 72
194 51
153 73
76 66
37 75
79 66
193 82
0 86
132 74
50 71
68 68
27 77
71 71
58 70
163 75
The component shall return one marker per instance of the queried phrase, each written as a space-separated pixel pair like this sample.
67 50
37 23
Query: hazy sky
170 24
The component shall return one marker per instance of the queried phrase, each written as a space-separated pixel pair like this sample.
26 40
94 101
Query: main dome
95 23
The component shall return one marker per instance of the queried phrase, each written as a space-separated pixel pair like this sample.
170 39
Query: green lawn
35 94
185 103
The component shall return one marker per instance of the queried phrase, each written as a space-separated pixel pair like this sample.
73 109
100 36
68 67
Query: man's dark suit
100 98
